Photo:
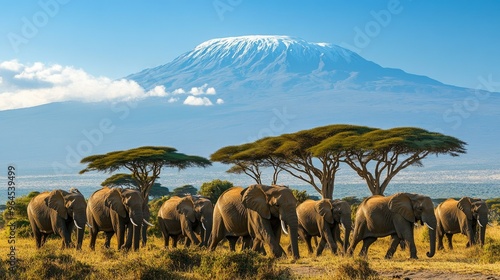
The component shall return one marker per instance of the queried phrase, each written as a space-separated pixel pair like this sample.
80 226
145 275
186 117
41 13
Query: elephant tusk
479 223
283 227
428 226
132 221
342 224
76 225
148 223
490 224
88 225
203 225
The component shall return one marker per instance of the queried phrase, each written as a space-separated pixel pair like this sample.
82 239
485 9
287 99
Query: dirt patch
311 272
421 275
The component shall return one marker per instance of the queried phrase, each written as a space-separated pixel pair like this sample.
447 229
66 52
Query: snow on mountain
277 63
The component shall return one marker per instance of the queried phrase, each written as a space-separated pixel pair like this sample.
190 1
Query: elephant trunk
431 222
207 229
80 221
136 219
482 232
292 221
347 230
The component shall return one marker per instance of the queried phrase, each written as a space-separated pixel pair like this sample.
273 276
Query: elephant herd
258 215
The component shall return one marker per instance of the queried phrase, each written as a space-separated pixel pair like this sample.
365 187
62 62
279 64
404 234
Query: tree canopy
314 155
378 155
128 181
145 163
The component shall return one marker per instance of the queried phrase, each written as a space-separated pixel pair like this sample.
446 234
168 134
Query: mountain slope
278 63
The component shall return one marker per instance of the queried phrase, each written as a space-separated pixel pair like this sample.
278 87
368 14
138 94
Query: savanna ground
153 262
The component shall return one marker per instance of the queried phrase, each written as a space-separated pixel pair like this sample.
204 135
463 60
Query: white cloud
23 86
179 91
211 90
197 101
12 65
220 101
158 91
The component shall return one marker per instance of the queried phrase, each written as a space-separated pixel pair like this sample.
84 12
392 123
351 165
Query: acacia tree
250 159
145 164
378 155
293 154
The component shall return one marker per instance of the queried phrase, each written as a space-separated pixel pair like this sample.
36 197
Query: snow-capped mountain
270 85
280 63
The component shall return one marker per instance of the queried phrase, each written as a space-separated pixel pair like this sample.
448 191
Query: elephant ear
55 201
255 199
186 207
465 205
324 208
114 201
400 203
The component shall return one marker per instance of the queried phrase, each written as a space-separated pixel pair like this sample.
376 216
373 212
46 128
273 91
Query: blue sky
452 41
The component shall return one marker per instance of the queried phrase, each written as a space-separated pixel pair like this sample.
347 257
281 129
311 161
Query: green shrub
301 196
214 189
182 259
22 228
491 253
355 269
241 265
49 264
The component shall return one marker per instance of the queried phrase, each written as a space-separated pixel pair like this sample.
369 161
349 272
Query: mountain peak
275 63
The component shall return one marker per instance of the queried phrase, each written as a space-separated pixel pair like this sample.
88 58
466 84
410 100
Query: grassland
153 262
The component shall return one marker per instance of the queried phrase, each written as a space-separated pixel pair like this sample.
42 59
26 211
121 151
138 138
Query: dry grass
153 262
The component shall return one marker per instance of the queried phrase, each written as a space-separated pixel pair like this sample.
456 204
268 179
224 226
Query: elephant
182 217
323 218
116 211
57 212
257 212
461 216
395 215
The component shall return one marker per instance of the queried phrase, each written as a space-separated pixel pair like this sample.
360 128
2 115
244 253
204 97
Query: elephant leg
43 239
107 239
175 240
395 241
440 235
232 242
366 244
307 238
258 246
246 242
36 233
321 247
449 236
93 236
329 238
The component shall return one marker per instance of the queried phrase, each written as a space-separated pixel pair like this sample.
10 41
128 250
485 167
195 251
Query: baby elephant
57 212
323 218
462 216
